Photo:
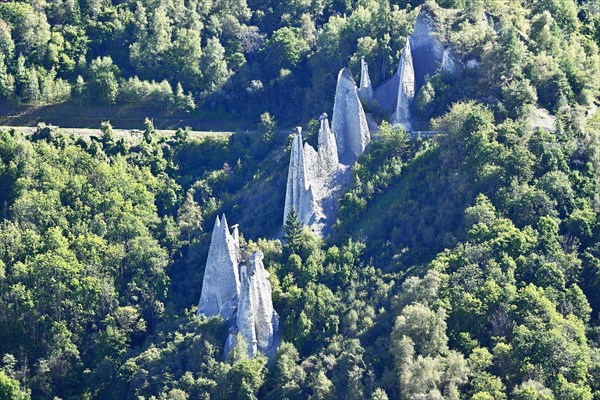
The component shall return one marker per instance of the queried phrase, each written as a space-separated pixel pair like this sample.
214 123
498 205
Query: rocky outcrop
349 124
298 190
424 54
221 283
541 119
245 312
365 91
427 50
315 180
257 322
239 291
327 148
406 88
266 319
449 62
386 94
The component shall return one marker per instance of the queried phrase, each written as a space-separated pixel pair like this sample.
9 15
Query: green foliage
104 86
243 57
267 128
10 390
463 265
293 232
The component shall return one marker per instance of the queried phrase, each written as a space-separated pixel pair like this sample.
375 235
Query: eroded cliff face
266 319
221 284
317 178
238 290
245 312
423 54
427 50
349 123
315 198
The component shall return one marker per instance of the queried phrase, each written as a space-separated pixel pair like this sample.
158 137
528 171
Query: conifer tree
293 232
189 217
149 131
4 78
108 135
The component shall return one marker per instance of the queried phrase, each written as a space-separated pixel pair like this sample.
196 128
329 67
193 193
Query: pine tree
182 135
293 232
189 217
149 131
5 87
79 90
267 127
108 135
21 75
31 91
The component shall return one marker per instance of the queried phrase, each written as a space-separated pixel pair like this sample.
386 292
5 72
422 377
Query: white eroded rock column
365 92
328 157
349 124
246 313
406 90
260 289
221 284
298 193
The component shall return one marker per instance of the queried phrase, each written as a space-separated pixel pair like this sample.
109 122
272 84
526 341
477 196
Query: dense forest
244 56
462 265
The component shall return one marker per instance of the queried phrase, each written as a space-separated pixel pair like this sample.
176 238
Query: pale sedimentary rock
327 148
298 192
257 322
239 291
245 312
427 56
349 124
406 90
386 94
540 118
472 64
235 234
266 319
427 50
449 63
365 91
221 284
315 180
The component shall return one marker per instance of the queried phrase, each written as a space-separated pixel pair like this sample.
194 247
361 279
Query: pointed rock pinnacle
349 124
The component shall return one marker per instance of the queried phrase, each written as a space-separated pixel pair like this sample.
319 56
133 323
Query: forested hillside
249 56
462 265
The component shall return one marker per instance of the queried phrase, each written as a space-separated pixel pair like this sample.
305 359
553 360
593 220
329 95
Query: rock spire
257 321
315 179
238 290
423 54
365 92
266 319
298 192
406 89
221 284
245 312
327 148
349 123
